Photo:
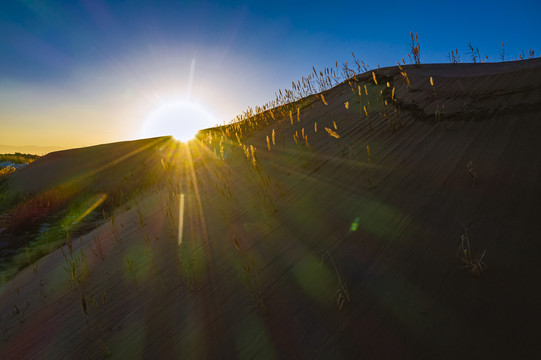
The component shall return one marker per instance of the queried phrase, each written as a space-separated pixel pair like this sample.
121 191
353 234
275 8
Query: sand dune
343 249
107 163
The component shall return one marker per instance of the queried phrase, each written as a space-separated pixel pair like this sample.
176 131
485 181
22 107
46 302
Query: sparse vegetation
342 292
475 264
415 49
45 217
6 170
18 158
437 113
248 138
250 277
453 57
474 53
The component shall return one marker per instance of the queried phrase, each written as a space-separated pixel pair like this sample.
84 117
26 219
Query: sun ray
180 218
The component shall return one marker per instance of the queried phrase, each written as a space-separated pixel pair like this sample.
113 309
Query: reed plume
332 133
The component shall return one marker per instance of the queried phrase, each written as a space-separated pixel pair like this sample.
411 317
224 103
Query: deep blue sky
84 52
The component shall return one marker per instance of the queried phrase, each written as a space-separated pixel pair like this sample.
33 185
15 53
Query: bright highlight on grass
181 119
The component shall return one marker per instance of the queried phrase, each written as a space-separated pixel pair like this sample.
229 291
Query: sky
84 72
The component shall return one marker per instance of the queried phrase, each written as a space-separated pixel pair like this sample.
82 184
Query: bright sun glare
181 119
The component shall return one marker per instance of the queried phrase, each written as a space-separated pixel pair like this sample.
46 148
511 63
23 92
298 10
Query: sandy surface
327 251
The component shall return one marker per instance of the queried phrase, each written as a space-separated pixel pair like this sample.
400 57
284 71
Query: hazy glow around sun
181 119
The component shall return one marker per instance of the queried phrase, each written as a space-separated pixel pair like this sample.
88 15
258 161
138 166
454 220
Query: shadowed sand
334 250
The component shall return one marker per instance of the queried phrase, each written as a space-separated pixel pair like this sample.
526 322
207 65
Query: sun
181 119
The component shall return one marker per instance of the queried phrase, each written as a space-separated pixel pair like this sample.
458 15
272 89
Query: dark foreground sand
325 252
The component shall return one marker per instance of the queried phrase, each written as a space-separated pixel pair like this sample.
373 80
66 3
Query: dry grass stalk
415 49
254 157
332 133
473 174
222 151
18 313
476 265
367 118
250 278
342 294
437 112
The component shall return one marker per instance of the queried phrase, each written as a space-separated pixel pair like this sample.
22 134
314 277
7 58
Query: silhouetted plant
474 53
453 57
415 49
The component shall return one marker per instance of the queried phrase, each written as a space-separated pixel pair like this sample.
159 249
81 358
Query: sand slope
97 166
327 251
57 189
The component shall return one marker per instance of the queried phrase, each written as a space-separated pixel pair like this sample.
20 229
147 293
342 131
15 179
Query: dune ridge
321 247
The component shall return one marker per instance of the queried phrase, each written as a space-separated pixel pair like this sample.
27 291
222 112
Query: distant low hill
29 149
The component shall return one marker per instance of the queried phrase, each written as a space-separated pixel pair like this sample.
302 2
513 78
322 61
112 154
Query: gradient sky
78 73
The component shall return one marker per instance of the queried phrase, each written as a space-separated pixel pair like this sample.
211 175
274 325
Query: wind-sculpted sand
359 245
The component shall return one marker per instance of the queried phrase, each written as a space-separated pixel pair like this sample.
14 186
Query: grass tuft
475 264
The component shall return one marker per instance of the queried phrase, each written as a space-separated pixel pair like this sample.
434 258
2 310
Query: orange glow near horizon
131 98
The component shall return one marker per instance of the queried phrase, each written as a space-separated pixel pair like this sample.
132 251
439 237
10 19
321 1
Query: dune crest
285 241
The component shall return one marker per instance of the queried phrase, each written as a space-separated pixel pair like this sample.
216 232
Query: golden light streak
181 218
